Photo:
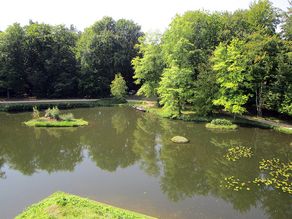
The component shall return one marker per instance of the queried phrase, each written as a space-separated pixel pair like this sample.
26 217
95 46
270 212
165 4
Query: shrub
67 117
119 87
221 122
53 113
35 113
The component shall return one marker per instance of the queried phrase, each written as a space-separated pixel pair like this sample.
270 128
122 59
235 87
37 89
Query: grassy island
62 205
221 124
53 118
42 122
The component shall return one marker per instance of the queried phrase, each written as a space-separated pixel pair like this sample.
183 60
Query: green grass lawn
64 206
55 123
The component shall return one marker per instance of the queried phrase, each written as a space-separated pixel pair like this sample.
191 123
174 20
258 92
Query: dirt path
267 121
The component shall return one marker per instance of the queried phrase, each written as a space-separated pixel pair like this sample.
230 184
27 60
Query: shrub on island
221 124
53 118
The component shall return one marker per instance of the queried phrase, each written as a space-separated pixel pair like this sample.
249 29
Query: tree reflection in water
121 137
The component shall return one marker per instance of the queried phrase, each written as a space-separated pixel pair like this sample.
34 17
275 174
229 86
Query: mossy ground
179 139
55 123
64 206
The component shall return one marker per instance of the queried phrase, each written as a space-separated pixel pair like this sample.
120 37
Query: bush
67 117
35 113
53 113
119 87
224 122
221 124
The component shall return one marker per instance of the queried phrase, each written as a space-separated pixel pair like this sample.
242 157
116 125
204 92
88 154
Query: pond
125 158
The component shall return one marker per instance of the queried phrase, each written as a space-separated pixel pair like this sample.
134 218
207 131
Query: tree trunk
259 100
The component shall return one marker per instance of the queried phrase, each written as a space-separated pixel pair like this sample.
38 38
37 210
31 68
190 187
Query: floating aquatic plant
235 184
276 174
237 152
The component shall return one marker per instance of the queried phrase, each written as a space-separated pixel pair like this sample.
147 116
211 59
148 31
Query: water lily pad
179 139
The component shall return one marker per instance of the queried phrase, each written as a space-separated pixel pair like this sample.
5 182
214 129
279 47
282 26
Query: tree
186 47
262 53
119 87
12 76
230 67
285 71
287 25
103 49
149 66
174 90
50 62
263 16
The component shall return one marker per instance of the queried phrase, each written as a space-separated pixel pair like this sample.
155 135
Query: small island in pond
221 124
53 118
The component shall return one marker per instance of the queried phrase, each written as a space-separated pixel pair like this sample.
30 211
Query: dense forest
48 61
237 61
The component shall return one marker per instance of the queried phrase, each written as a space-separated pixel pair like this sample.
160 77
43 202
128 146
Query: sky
152 15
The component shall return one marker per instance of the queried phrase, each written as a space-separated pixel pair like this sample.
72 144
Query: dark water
125 158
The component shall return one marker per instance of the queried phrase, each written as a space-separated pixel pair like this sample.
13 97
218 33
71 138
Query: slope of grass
64 206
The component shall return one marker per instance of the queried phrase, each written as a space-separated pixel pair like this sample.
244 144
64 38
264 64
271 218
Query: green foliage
263 16
237 152
287 25
50 60
262 52
235 184
103 49
119 87
12 56
67 117
221 122
276 174
149 66
174 90
35 113
230 67
186 47
62 205
203 62
53 113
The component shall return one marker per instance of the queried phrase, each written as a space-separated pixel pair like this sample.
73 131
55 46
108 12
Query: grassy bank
21 107
54 123
150 106
284 130
62 205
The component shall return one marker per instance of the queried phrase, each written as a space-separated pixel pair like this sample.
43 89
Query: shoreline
149 105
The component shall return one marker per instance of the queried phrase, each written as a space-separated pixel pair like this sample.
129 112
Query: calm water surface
125 158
